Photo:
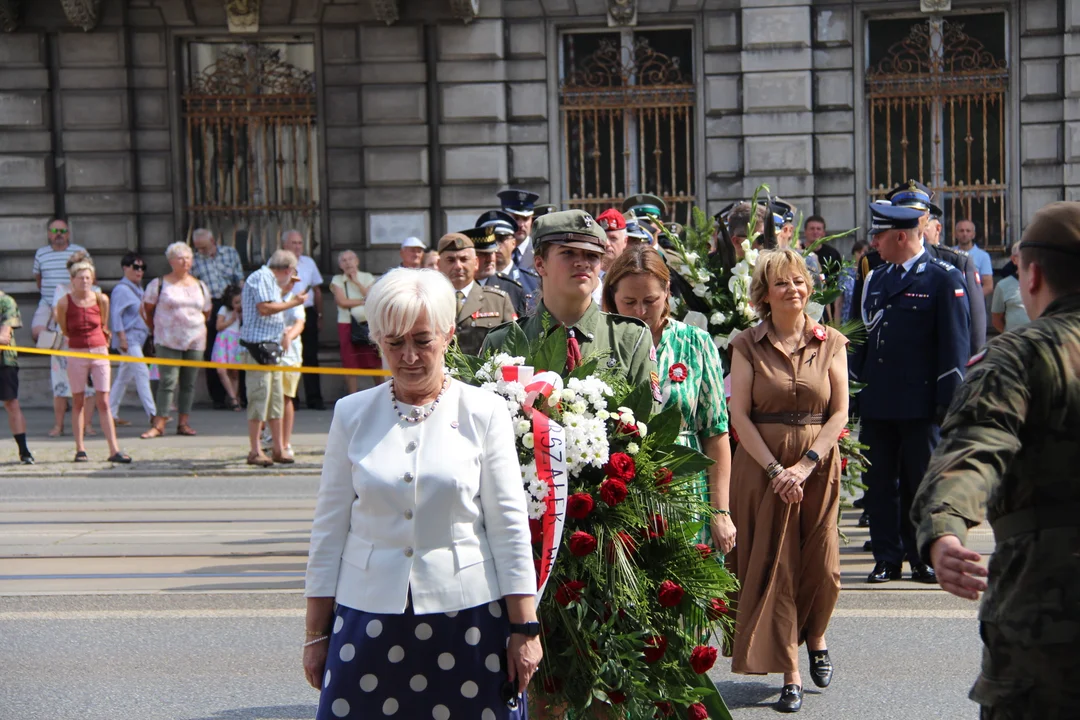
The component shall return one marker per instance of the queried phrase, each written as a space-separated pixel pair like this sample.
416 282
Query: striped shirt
51 266
261 287
219 271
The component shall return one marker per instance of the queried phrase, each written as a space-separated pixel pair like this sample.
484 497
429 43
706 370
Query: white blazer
435 508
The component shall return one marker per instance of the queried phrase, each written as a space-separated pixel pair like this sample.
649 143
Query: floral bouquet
629 601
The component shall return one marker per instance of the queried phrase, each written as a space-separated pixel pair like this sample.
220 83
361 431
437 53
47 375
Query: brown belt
788 418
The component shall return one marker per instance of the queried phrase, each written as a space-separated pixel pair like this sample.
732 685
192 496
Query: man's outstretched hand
957 567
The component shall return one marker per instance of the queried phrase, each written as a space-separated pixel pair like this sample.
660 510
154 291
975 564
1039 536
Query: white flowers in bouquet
718 318
814 310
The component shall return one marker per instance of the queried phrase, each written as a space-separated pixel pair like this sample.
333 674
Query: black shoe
790 699
26 458
317 405
864 519
859 504
820 668
923 573
883 572
868 546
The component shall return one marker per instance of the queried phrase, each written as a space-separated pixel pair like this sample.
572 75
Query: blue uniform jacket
917 344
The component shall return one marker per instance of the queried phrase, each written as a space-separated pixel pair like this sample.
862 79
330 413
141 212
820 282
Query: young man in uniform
479 308
1009 452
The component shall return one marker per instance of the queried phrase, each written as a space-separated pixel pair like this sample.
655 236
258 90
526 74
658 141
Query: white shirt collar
467 289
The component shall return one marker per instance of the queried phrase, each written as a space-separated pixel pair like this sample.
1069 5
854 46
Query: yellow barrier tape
199 363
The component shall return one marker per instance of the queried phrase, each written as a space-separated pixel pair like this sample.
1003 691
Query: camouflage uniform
1011 445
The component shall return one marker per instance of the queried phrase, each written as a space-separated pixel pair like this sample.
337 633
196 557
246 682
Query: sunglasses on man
138 267
58 231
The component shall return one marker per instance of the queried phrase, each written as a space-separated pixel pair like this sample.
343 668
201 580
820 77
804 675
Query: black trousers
899 454
310 337
213 382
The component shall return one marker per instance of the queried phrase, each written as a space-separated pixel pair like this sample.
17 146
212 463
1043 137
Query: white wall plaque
391 228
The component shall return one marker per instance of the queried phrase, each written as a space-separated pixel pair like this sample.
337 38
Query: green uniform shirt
628 341
484 308
1011 442
9 317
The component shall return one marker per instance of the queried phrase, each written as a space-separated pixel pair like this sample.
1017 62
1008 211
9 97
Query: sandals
56 431
285 459
81 457
256 458
153 432
233 404
185 430
121 457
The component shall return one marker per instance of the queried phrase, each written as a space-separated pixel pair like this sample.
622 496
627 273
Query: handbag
264 353
359 332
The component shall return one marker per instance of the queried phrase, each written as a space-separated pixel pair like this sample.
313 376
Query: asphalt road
179 599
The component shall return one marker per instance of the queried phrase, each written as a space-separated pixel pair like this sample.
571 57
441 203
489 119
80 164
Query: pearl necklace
416 416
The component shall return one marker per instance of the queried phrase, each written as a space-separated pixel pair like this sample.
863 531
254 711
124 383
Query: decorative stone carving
622 13
936 6
9 15
385 10
82 13
466 10
243 15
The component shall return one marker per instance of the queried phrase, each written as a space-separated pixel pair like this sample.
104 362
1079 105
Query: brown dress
787 558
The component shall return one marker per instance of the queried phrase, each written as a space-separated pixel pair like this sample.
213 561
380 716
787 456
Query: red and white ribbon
549 451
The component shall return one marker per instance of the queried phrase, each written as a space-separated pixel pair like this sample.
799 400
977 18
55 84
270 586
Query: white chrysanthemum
528 441
632 449
536 509
579 407
718 318
537 490
642 429
521 427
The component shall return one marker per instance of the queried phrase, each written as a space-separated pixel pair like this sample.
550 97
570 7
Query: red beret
611 219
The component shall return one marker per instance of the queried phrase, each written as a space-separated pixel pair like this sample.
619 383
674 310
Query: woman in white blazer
420 579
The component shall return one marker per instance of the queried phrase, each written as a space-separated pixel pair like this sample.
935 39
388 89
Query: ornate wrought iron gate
628 127
251 148
937 114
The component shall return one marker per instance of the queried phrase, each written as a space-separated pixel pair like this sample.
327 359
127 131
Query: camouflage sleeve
980 438
641 367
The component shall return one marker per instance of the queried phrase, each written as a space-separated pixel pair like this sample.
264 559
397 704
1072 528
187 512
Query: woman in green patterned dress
691 376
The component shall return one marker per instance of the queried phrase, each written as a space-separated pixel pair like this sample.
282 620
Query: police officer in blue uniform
915 308
505 226
522 205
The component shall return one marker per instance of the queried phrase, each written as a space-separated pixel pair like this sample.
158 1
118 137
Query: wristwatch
529 629
814 457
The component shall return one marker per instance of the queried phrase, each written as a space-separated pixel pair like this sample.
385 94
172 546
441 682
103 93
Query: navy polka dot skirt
415 667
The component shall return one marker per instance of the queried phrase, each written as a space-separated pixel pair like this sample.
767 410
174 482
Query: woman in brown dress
789 403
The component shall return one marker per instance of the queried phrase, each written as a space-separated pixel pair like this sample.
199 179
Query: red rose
843 465
613 491
628 430
629 546
655 647
552 684
658 527
678 373
844 433
579 505
664 709
536 529
664 477
670 594
569 592
582 544
617 697
621 467
697 711
702 658
717 607
704 549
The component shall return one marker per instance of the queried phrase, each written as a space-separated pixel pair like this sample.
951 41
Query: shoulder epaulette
509 279
942 263
495 290
624 319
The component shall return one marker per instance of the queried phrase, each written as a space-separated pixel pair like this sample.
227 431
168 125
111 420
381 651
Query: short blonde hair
771 264
78 267
177 249
402 295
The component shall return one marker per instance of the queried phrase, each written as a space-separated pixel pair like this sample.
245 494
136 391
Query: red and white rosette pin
549 451
819 332
678 373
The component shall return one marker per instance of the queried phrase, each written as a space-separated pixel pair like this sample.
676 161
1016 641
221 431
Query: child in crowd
227 344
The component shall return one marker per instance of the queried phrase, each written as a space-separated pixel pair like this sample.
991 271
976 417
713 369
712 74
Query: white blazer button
408 552
410 447
408 477
408 514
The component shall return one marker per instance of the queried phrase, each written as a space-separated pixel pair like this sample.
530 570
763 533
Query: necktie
460 300
573 351
516 256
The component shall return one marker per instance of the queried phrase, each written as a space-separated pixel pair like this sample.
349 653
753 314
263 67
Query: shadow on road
282 712
740 694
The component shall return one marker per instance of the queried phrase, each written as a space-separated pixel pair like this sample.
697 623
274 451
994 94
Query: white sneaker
266 438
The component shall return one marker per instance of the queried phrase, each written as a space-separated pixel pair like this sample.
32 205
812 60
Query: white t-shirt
309 277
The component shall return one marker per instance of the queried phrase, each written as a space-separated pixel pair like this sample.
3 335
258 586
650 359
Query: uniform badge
479 314
652 353
654 382
612 362
922 267
958 292
976 358
587 220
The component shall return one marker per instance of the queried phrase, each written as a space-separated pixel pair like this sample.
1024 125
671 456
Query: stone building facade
365 121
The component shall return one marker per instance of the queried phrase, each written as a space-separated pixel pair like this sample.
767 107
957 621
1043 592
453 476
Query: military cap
645 204
573 228
722 215
1055 227
885 217
483 238
611 219
634 230
455 241
518 202
412 242
542 210
783 212
502 223
914 194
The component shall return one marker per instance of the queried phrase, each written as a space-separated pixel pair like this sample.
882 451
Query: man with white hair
219 267
260 336
310 280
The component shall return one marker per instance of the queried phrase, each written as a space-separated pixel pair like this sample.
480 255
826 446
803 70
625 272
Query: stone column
722 99
1042 151
834 118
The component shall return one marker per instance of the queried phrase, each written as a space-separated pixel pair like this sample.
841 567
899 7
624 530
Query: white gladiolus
720 341
696 319
814 310
746 246
717 318
751 257
700 290
691 256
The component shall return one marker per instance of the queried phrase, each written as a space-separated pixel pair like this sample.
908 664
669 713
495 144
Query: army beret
611 219
483 238
573 228
1055 227
455 241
